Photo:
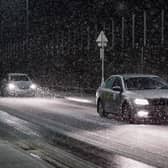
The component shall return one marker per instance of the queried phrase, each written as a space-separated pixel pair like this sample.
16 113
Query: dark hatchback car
134 97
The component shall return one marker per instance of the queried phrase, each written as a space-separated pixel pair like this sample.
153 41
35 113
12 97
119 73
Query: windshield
142 83
19 78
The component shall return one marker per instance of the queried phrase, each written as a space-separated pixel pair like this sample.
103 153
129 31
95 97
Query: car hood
148 94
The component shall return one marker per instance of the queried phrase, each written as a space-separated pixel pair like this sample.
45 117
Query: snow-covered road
146 143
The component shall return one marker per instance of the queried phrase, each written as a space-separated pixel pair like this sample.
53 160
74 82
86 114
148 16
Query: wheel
127 113
33 95
100 109
3 93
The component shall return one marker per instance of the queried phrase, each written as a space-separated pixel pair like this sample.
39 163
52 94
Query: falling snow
61 47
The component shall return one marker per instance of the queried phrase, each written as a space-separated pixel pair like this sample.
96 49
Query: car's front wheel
127 113
100 109
3 93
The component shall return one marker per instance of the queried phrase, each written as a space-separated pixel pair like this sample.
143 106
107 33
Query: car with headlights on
134 97
17 84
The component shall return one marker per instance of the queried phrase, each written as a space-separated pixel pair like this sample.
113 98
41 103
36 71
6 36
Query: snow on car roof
18 74
135 75
138 75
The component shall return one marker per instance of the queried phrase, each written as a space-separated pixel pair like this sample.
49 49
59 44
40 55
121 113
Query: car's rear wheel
100 109
127 113
3 93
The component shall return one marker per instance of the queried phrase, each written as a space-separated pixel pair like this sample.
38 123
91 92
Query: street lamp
27 25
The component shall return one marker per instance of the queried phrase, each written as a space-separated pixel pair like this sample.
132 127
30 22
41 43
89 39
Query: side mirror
117 88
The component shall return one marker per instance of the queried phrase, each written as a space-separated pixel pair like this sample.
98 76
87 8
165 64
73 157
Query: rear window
19 78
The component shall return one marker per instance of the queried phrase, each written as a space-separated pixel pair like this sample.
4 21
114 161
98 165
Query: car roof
18 74
134 75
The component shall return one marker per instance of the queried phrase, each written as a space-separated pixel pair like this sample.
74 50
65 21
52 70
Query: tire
33 95
100 109
127 113
3 93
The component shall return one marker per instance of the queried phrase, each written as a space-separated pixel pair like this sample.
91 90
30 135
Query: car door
116 96
107 93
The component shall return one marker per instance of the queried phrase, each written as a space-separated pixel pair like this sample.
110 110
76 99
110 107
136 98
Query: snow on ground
143 142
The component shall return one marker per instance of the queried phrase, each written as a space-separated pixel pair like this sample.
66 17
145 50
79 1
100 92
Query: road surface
77 130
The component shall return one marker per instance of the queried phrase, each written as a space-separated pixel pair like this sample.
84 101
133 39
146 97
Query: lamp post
27 26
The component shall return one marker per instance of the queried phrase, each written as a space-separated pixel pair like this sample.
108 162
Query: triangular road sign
102 38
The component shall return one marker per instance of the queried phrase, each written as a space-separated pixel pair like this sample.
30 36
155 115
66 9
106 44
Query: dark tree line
61 39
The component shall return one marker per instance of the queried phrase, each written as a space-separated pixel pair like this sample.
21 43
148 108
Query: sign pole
102 43
142 59
102 58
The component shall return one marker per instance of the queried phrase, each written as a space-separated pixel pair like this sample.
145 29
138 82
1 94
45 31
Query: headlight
141 102
33 86
11 86
143 114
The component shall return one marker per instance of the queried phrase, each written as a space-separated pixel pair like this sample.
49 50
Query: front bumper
154 112
21 92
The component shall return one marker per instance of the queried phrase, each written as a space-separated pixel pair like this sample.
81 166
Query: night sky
47 14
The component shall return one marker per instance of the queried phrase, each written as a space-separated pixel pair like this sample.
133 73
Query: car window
141 83
19 78
109 83
117 82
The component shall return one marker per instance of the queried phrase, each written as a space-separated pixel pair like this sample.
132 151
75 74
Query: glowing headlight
33 86
143 114
11 86
141 102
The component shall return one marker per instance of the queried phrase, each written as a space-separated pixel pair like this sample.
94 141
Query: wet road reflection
147 143
123 162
